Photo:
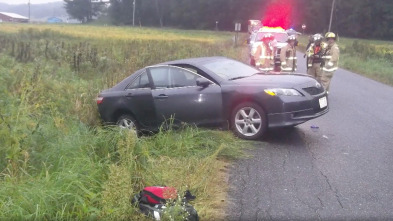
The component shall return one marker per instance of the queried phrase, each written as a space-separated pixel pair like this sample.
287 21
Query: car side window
141 81
182 78
160 76
144 81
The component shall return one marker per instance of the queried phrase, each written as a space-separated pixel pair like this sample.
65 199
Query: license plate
322 102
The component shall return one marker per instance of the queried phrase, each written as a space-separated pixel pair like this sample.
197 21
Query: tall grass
56 160
116 33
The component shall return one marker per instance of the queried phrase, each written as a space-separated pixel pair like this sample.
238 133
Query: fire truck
280 40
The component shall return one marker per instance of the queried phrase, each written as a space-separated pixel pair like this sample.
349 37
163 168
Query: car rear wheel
248 121
127 122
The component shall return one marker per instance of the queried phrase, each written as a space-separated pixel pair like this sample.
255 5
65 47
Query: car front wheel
248 121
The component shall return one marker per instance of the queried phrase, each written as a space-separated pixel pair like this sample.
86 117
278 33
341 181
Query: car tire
127 122
248 121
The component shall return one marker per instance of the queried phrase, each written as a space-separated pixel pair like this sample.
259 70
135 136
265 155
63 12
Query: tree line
351 18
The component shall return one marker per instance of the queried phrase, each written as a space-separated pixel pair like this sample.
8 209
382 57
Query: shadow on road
292 136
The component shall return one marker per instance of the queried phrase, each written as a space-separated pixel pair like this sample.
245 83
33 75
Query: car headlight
282 92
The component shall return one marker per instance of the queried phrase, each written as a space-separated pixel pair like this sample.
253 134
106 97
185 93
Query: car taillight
100 100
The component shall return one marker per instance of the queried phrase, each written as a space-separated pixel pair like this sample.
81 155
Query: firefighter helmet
317 38
291 38
330 35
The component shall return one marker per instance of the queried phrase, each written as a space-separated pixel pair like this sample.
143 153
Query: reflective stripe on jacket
309 53
264 57
331 58
266 69
288 58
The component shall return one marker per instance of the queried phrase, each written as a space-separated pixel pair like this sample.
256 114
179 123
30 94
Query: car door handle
162 96
129 95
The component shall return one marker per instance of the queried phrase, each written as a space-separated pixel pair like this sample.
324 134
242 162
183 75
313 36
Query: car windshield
230 69
280 37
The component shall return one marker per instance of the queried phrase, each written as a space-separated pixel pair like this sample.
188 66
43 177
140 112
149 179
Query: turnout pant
315 70
326 78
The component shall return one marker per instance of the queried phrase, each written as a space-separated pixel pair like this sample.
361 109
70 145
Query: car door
176 94
139 100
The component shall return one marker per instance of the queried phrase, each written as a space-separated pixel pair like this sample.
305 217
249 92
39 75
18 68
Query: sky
14 2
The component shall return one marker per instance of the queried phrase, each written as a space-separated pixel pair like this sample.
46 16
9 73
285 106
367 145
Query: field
57 162
371 58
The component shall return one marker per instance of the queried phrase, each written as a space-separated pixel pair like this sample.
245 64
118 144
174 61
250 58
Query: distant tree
159 12
365 19
82 10
352 18
121 11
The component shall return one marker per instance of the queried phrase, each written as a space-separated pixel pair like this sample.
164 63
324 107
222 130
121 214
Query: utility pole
90 12
133 14
29 10
331 15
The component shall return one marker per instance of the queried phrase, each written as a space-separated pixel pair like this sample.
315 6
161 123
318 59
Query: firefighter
310 41
308 51
314 56
288 55
264 55
331 57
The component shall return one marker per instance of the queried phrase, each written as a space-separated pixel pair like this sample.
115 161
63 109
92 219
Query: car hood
276 80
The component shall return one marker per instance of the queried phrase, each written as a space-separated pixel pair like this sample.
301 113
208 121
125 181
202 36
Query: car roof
198 63
194 61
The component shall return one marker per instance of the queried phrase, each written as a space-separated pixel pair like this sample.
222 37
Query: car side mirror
202 82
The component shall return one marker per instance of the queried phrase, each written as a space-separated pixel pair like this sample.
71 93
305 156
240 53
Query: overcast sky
26 1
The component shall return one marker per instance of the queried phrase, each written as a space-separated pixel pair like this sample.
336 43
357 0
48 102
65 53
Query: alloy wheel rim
127 124
248 121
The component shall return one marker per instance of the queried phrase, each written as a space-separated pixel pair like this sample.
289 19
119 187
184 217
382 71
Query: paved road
342 171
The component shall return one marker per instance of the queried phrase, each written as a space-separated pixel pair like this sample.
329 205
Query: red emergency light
271 29
278 14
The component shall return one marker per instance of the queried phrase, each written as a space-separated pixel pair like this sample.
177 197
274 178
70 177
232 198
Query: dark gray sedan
212 91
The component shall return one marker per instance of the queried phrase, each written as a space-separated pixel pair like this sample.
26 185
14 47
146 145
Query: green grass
56 160
371 58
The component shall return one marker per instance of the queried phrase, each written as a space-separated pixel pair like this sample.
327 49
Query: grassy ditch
371 58
56 160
